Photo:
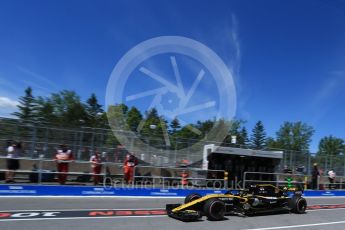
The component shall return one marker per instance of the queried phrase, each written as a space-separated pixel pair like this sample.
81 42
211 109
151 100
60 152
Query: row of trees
67 110
62 109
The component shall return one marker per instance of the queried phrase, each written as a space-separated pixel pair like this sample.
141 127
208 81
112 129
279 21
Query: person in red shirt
129 164
96 166
62 158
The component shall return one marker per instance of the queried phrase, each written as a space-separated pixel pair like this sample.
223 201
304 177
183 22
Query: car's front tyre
298 205
214 209
192 197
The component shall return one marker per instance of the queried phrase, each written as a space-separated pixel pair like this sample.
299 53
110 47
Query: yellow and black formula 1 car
264 198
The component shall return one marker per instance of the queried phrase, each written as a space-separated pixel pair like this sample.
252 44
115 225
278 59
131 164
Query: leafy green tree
134 117
294 136
151 123
242 138
258 137
234 130
174 126
94 111
123 108
68 108
272 144
116 115
152 128
185 136
45 111
331 146
75 115
205 126
26 106
330 149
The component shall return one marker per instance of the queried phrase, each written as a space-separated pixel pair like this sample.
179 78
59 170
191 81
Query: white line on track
124 209
298 226
125 217
81 218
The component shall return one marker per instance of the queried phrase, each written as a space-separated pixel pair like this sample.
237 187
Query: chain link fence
42 141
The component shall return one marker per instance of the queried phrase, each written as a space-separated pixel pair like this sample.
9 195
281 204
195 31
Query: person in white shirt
62 157
12 163
96 166
331 178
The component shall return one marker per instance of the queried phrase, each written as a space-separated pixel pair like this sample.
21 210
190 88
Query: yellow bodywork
241 198
204 198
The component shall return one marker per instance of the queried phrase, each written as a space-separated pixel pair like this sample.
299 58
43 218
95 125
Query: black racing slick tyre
298 205
214 209
191 197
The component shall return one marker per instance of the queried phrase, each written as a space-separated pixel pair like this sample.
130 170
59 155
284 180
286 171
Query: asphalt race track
147 214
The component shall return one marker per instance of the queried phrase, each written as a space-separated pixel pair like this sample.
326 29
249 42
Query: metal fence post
226 184
244 180
309 164
134 175
75 142
105 166
102 140
40 165
45 148
92 142
33 144
80 144
16 135
344 163
175 151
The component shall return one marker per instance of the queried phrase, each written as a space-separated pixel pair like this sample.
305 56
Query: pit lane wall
51 190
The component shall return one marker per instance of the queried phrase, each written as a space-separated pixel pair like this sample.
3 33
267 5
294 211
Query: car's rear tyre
214 209
192 197
298 205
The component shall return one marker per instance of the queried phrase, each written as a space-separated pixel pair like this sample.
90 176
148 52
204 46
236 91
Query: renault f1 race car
258 199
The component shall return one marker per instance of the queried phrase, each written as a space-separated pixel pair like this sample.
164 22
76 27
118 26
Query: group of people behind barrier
63 157
316 174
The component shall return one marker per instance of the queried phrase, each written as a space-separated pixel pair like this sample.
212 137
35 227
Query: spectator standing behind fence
62 157
96 166
314 177
128 167
12 163
331 178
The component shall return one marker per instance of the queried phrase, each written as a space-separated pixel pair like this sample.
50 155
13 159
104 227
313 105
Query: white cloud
39 78
7 106
6 102
330 88
236 42
328 95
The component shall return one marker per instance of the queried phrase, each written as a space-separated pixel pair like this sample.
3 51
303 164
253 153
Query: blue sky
287 57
